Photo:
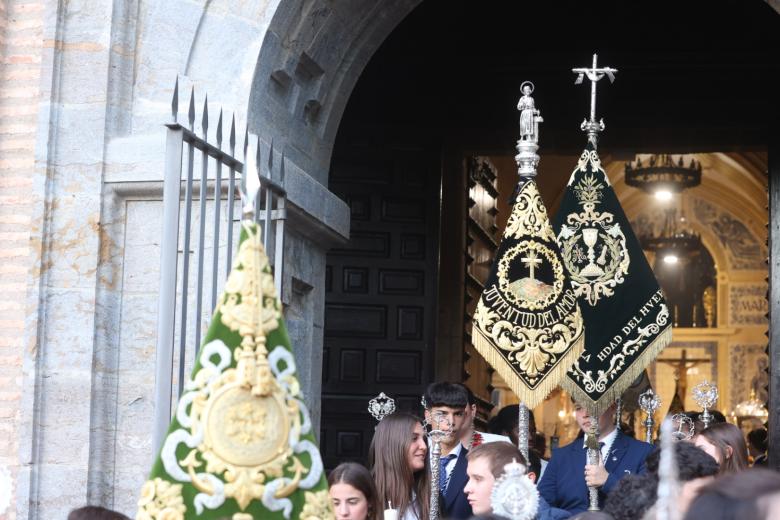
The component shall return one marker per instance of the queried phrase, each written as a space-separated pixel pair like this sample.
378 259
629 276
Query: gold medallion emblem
246 430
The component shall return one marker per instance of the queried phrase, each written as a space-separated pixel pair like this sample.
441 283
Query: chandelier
673 245
664 176
751 409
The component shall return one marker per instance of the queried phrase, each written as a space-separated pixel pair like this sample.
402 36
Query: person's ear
532 476
729 451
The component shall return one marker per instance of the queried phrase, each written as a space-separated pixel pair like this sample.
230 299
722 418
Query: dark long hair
359 478
387 458
724 436
95 513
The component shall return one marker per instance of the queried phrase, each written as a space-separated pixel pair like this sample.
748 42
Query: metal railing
184 147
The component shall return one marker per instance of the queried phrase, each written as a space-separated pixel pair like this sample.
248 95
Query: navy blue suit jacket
455 505
563 483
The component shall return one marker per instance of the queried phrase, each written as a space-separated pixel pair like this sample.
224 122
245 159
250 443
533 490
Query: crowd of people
715 480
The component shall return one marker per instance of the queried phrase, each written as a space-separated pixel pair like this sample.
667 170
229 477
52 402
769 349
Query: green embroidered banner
627 321
527 324
240 445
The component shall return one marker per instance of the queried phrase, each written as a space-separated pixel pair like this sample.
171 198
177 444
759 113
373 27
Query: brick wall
20 59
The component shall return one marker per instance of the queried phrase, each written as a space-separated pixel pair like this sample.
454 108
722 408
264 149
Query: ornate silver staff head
649 402
514 496
381 406
438 426
684 427
706 395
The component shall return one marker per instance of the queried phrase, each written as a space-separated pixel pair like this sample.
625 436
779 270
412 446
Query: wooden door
380 303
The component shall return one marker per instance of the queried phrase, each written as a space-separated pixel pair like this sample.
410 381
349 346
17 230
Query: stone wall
84 93
21 44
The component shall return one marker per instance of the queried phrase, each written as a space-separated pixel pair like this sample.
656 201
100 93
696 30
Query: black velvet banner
627 321
528 324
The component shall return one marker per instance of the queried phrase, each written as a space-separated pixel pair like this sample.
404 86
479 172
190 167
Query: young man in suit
567 476
455 404
450 402
485 465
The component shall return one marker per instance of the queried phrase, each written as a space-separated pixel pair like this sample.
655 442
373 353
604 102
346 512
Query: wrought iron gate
216 191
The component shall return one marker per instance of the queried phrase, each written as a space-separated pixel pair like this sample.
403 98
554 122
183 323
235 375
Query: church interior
424 158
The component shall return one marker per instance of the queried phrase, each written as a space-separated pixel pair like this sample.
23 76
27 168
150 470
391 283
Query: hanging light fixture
751 409
663 176
674 244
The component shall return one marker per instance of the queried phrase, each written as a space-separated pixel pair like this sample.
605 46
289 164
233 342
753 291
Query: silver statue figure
527 160
529 115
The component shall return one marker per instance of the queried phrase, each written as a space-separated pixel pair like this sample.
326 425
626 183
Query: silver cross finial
594 74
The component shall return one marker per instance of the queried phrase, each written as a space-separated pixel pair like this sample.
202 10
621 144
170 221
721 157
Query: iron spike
246 140
233 135
281 172
219 130
205 120
257 157
175 100
191 114
271 159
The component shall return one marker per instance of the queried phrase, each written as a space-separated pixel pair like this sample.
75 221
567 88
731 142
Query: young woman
398 458
724 443
352 493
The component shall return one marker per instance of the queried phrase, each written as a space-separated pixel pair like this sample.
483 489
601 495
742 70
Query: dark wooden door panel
380 305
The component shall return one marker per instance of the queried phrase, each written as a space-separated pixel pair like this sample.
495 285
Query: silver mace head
381 406
649 402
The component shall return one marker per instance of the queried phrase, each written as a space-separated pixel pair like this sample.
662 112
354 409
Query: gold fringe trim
623 381
531 397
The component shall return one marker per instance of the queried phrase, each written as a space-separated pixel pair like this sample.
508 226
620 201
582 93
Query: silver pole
435 480
523 431
649 426
594 454
593 93
166 310
618 412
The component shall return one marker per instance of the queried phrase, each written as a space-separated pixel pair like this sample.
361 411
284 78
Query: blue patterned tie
443 478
